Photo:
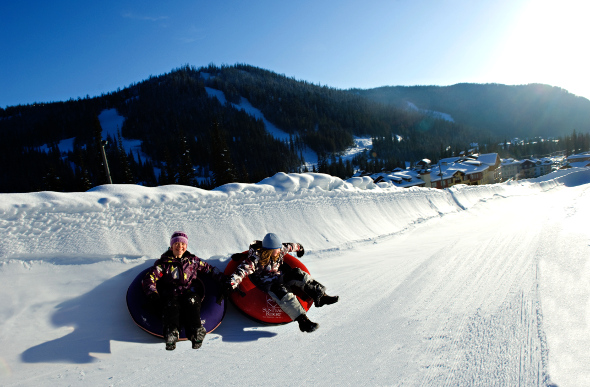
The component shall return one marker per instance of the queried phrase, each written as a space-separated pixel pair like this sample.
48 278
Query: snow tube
150 321
257 304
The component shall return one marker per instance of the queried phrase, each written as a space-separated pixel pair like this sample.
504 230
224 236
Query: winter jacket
251 265
173 276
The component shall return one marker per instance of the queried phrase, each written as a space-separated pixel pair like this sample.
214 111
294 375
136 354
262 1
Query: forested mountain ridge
189 137
523 111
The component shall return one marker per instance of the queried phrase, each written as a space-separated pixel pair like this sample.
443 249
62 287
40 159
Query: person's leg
312 288
291 305
171 321
285 299
195 331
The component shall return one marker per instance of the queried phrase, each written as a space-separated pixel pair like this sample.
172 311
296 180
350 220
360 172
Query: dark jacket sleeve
149 282
205 268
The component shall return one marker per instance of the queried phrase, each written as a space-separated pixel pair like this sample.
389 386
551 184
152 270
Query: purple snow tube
149 320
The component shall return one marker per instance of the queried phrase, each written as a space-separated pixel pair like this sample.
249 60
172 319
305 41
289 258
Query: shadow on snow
101 315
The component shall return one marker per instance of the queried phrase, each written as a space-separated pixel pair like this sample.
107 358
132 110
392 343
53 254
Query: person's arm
244 269
207 269
294 247
149 282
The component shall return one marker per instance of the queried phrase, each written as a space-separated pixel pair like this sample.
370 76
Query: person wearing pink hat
171 287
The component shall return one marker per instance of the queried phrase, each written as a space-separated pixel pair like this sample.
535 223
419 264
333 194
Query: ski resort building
462 171
526 169
581 160
403 178
471 170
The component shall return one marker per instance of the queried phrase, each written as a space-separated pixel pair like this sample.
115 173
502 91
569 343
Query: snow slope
311 158
361 144
484 285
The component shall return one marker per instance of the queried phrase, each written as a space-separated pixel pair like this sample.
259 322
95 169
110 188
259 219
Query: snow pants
186 306
280 289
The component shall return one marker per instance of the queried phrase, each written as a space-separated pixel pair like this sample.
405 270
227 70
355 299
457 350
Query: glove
224 291
238 257
300 252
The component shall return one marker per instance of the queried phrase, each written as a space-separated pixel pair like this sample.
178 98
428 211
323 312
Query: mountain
190 127
188 136
524 111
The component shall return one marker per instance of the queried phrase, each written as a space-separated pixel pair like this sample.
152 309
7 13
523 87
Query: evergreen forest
189 137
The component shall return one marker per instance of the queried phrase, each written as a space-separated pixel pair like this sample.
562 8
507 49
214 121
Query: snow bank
315 209
455 277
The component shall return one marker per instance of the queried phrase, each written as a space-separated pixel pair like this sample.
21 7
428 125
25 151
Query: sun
546 43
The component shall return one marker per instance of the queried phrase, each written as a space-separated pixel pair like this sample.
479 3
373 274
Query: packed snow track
468 286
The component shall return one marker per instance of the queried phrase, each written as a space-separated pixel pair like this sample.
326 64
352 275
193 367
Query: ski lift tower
104 160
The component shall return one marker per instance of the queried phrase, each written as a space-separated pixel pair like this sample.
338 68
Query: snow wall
119 221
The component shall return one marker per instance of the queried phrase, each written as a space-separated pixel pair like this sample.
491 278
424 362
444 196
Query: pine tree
124 162
221 163
83 180
51 181
186 170
167 175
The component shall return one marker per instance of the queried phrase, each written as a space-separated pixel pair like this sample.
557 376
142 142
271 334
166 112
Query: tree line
524 111
189 137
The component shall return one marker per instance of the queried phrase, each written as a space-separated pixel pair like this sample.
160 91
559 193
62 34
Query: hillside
189 137
191 127
523 111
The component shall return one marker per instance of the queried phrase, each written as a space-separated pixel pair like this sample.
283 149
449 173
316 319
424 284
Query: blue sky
57 50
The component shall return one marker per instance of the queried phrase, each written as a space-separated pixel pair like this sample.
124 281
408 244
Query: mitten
300 252
238 257
224 291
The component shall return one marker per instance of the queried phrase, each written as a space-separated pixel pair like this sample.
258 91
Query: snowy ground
467 286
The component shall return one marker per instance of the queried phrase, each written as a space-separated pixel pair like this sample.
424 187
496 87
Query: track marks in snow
486 328
464 304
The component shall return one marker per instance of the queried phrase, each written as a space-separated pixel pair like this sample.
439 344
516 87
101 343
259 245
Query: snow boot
305 324
317 292
198 336
171 337
326 300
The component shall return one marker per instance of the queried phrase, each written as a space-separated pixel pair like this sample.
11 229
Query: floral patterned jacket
251 265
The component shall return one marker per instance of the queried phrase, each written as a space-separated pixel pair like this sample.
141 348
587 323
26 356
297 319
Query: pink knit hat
178 236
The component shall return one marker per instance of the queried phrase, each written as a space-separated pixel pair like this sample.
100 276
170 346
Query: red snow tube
257 304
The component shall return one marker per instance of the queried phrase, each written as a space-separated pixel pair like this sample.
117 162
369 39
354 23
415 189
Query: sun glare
546 44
